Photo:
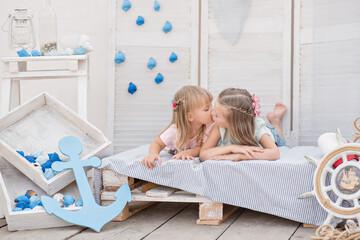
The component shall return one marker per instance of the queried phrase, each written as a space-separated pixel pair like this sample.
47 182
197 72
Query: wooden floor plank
303 233
40 234
253 225
137 226
183 226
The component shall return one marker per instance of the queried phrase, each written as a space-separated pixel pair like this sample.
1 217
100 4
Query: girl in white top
243 135
189 128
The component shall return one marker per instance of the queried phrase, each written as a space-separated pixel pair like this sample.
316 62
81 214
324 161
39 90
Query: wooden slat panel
259 61
329 53
140 117
150 33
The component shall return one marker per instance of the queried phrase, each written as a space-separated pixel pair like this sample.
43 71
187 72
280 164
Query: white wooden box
13 184
40 124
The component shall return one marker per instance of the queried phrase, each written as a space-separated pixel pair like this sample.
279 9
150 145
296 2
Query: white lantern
21 30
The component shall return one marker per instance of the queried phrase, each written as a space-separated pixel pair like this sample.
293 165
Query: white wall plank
328 68
138 118
260 60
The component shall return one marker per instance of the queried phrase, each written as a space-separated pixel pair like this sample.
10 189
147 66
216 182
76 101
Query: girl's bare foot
276 116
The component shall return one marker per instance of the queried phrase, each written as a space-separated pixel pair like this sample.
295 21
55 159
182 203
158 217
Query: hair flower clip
256 105
176 105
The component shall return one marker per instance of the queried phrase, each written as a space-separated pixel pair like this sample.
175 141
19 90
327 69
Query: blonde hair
187 99
239 115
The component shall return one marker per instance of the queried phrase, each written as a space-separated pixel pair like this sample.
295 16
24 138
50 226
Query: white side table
16 69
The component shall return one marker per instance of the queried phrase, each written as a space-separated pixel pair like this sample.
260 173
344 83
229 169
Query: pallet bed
144 194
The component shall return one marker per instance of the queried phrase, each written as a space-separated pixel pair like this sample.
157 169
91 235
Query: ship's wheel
333 186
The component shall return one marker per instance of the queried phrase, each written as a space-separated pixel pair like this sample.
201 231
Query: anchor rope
328 232
357 127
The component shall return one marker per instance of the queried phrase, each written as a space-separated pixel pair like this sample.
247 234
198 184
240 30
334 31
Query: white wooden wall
326 68
303 53
138 118
260 61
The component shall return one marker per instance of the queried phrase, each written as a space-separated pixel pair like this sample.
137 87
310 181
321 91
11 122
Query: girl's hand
248 151
149 160
182 156
232 157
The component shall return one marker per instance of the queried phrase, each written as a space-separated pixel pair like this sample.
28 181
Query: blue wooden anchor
91 214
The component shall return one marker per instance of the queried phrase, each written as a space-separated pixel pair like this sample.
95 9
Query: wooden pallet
144 194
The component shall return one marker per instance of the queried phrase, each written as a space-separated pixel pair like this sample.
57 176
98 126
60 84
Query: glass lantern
21 30
47 30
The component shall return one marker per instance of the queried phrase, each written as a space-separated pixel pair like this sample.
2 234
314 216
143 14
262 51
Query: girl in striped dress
239 134
189 128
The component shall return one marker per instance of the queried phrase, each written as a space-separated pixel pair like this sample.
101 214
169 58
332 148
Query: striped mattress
271 187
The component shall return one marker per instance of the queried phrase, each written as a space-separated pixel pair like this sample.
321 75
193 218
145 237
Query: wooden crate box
40 124
13 184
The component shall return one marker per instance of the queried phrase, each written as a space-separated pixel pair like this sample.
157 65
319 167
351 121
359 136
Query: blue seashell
33 204
132 88
79 203
126 5
47 165
68 200
23 53
22 205
173 57
54 157
22 198
36 153
167 27
120 57
17 209
35 53
152 63
34 199
80 50
49 173
156 6
30 159
21 153
140 21
159 78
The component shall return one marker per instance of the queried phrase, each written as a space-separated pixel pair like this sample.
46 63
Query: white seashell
88 46
72 206
45 156
36 153
83 39
37 166
74 41
58 196
38 208
51 53
41 160
69 51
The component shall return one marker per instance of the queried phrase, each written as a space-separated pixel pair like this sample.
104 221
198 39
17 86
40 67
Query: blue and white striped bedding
267 186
